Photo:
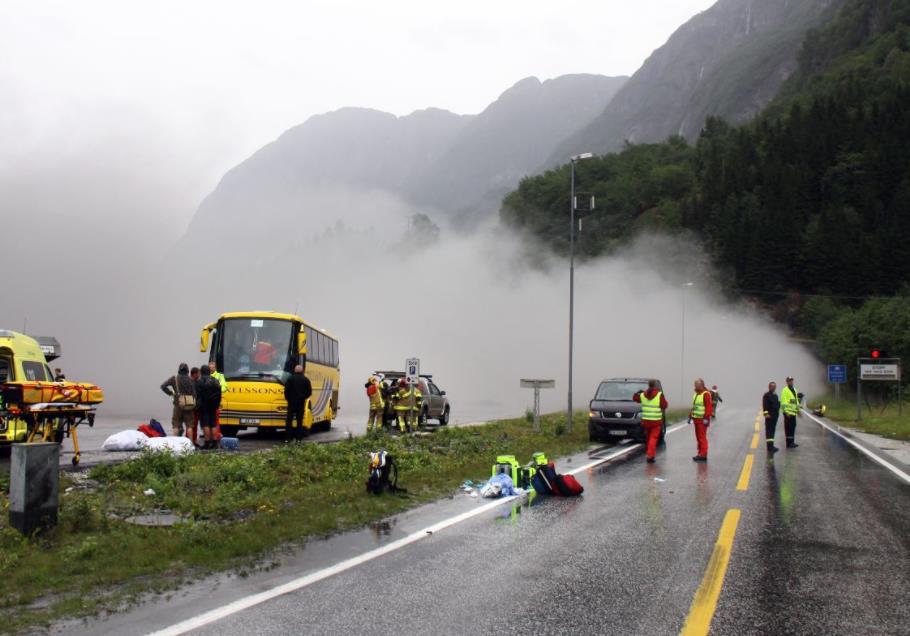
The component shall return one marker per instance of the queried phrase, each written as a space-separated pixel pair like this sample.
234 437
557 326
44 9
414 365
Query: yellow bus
257 351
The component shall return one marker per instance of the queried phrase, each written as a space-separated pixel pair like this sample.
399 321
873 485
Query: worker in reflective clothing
789 402
224 389
653 404
416 406
700 416
377 405
770 404
402 405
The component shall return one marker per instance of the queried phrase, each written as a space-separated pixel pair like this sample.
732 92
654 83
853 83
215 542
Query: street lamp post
682 357
572 208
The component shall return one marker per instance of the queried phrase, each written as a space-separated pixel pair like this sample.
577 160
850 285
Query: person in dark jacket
770 406
297 390
178 386
208 392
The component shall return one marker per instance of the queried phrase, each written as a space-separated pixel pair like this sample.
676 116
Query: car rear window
619 391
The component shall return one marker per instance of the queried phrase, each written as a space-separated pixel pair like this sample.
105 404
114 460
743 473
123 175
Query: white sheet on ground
125 441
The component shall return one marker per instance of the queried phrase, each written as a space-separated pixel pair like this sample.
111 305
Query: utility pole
572 207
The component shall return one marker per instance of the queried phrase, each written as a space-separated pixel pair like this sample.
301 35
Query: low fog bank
474 309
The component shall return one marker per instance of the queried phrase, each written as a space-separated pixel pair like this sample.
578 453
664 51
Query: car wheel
444 418
424 415
229 431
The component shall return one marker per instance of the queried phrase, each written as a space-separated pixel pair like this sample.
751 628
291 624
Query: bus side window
334 353
317 347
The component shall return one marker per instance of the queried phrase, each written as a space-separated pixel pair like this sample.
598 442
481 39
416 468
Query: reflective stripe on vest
650 409
789 401
698 405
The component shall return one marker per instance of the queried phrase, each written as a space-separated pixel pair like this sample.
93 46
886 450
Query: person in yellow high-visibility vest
790 400
653 404
700 416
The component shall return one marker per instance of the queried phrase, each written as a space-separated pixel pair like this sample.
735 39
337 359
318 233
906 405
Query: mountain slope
729 60
514 136
362 165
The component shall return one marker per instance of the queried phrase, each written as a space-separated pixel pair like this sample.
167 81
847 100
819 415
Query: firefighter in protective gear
377 405
653 404
790 400
700 416
405 413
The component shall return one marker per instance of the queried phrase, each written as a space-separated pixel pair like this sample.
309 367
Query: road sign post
412 375
877 370
537 385
837 375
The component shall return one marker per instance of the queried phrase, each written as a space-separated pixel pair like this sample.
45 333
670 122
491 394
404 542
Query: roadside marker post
837 375
537 385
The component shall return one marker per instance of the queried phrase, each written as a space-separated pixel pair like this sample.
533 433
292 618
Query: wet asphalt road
822 547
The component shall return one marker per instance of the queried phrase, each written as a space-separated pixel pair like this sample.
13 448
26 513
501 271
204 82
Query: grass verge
238 510
878 420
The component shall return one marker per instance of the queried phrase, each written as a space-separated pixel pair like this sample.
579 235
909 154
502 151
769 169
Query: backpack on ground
383 474
548 482
156 426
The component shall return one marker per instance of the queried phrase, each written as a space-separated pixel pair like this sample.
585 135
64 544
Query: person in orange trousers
700 416
653 404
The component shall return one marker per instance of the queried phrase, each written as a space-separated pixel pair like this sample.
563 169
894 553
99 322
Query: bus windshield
619 391
256 348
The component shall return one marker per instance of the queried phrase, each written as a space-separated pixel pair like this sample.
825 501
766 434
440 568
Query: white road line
314 577
894 469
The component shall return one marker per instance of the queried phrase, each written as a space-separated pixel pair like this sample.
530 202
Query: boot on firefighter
377 405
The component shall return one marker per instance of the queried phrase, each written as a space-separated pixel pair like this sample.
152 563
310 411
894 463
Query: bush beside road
236 510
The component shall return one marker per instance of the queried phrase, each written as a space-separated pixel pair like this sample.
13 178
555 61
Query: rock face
357 158
729 60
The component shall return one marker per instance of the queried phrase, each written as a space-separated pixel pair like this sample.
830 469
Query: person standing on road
297 390
374 394
191 432
653 404
790 400
700 415
208 391
222 382
715 400
58 375
181 389
770 406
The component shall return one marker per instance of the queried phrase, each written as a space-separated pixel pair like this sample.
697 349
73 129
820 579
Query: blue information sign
837 374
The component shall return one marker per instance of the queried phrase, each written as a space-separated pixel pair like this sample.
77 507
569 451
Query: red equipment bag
569 486
149 431
559 485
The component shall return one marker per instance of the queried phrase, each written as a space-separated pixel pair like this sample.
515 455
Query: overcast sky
199 85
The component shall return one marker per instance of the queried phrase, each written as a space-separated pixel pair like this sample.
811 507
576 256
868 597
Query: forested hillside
810 199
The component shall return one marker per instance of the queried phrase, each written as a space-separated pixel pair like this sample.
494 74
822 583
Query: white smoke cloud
473 311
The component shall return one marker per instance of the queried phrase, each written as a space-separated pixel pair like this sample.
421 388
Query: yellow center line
743 483
755 441
756 427
698 622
